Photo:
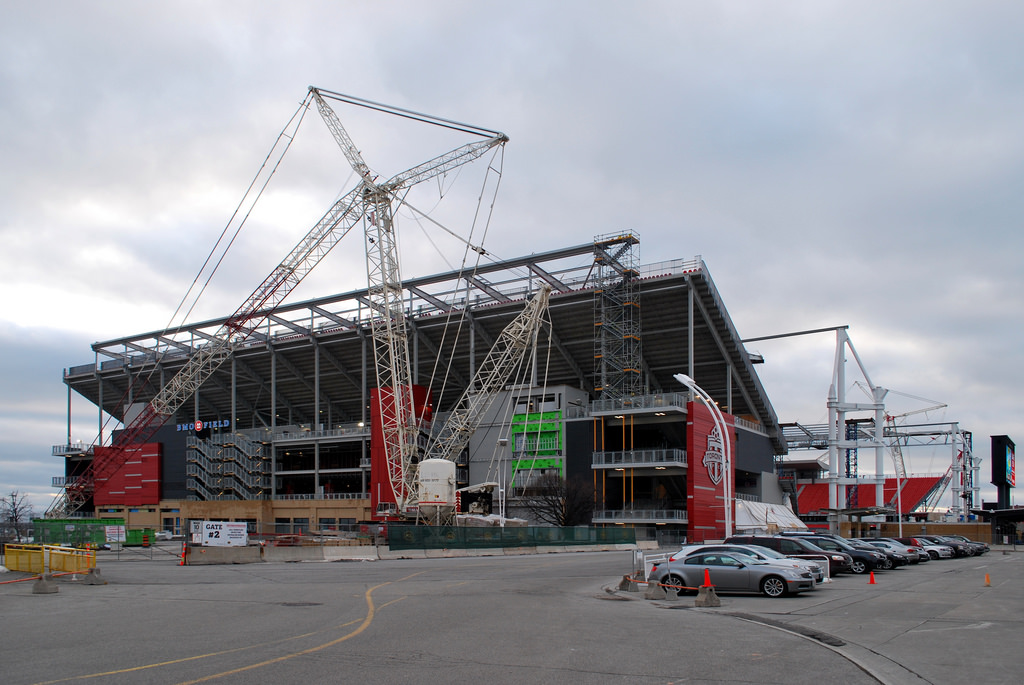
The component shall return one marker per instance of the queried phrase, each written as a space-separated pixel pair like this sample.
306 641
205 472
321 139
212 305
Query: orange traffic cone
871 581
184 549
987 582
707 579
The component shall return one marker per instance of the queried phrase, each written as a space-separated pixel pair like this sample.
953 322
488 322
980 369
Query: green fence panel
73 532
403 537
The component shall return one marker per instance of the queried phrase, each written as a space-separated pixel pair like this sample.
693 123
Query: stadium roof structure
315 356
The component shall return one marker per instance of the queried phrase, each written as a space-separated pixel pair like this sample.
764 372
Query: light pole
716 415
502 445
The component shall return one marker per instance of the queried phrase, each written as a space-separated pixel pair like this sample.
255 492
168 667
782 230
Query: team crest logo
714 456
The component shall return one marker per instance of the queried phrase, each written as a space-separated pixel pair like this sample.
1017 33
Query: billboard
1004 463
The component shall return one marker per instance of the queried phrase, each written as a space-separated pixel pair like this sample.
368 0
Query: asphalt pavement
545 618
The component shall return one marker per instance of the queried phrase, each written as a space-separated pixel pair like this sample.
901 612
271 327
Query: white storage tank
436 488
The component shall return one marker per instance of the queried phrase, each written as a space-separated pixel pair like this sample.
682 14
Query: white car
937 551
164 535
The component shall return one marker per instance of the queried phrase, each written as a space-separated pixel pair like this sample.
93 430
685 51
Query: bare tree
15 514
558 501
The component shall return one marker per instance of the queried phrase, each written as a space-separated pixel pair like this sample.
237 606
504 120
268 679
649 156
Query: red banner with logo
705 449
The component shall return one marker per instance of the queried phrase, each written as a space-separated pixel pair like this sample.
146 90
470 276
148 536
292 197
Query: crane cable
461 276
296 119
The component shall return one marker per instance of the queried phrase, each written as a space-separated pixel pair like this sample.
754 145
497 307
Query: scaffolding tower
617 352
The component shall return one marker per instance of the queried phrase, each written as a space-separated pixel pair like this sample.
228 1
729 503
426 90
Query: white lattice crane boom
502 361
400 425
367 200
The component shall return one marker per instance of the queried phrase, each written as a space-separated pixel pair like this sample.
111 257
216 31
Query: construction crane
400 425
435 496
896 449
369 201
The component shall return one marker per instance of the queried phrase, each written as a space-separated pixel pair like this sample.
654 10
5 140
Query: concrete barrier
201 556
93 577
296 553
707 597
44 585
351 553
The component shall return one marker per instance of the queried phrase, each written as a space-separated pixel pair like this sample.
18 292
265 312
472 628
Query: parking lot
509 619
945 621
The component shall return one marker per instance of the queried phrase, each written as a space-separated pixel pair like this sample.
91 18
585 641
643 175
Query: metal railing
326 495
345 431
637 515
667 457
667 400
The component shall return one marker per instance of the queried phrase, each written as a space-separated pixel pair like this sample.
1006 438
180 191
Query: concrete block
93 577
654 591
45 585
628 584
707 597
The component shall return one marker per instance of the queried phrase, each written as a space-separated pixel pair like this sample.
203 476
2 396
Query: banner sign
224 534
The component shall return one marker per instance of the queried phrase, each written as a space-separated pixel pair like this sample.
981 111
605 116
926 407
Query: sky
840 163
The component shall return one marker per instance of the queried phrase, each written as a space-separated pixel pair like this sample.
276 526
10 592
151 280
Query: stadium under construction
281 436
624 382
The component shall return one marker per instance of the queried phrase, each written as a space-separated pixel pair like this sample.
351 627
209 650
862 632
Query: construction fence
48 559
407 537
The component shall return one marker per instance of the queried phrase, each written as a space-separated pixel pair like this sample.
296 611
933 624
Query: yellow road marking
365 623
370 613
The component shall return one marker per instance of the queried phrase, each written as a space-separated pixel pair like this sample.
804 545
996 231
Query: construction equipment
400 425
435 497
369 202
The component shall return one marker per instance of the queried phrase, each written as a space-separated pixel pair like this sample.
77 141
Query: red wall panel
705 498
136 482
381 489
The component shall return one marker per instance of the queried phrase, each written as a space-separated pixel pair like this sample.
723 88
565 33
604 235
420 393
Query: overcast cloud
835 163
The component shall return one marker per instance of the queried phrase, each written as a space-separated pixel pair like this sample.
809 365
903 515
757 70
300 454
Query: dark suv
863 560
798 548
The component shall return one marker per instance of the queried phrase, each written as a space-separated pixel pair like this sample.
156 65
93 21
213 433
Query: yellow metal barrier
41 558
25 558
70 560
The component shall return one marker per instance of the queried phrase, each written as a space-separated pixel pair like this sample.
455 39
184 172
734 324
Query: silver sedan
731 572
758 552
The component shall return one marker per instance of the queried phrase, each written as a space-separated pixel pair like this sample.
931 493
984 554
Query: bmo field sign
220 533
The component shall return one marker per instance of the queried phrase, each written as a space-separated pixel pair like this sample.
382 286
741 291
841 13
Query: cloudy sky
834 163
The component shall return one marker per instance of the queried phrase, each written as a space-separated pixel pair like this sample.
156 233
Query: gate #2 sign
224 534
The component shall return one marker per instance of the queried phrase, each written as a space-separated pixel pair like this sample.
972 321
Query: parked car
797 548
943 550
913 555
893 557
979 548
758 552
732 572
921 551
960 549
863 561
934 550
164 535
